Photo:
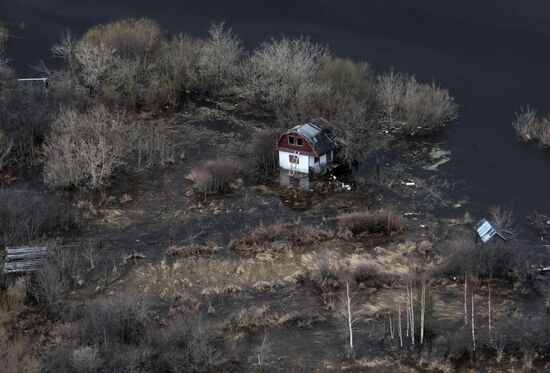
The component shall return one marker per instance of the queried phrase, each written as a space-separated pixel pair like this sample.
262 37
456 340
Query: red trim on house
305 149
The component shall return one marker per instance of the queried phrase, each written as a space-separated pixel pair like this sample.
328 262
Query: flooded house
306 149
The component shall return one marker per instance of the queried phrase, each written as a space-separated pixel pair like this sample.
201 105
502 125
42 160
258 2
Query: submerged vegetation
147 171
531 128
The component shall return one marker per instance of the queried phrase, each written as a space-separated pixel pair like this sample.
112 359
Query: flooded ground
487 53
491 55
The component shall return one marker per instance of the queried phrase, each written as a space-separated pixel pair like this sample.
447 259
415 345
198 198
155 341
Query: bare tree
465 299
399 325
277 70
94 62
263 351
220 57
503 218
349 315
85 149
422 311
390 92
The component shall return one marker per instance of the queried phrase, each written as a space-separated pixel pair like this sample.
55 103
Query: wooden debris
24 258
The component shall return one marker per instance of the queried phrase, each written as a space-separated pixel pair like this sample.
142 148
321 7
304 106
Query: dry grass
258 317
15 352
277 238
201 275
216 176
359 223
192 250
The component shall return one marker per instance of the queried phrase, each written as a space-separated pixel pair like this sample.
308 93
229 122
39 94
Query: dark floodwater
494 56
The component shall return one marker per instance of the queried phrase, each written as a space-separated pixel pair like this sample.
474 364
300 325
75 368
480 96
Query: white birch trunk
399 326
473 325
422 312
350 320
412 316
465 299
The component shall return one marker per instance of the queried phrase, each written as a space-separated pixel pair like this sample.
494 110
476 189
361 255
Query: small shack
306 149
24 258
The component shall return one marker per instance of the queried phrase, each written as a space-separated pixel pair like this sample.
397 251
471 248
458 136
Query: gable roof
316 136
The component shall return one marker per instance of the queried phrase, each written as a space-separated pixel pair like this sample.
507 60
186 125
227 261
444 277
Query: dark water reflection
492 54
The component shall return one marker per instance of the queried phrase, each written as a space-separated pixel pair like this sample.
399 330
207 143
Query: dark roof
316 136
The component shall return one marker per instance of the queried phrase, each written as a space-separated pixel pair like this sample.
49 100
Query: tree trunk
489 312
391 325
399 326
465 299
408 309
350 326
422 312
473 325
412 316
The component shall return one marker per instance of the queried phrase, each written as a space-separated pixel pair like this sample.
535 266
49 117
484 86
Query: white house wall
302 166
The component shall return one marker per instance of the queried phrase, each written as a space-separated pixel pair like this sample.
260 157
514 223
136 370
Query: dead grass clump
530 128
301 319
192 250
370 275
277 237
216 176
383 221
252 318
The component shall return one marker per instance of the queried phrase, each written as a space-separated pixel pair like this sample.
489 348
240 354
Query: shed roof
316 136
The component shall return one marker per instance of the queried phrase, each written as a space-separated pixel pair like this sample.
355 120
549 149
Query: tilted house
306 149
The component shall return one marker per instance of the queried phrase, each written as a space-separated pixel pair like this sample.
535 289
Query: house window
295 141
293 159
316 159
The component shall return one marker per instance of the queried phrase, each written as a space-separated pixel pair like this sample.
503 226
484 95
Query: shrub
85 149
129 38
54 280
277 237
529 127
189 346
25 116
86 360
262 150
277 69
370 222
220 58
504 261
27 216
368 274
216 176
176 72
120 320
346 77
410 107
252 318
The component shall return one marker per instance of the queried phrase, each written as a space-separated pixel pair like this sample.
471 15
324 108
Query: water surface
492 54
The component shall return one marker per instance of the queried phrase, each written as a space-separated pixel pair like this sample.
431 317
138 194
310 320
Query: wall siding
303 162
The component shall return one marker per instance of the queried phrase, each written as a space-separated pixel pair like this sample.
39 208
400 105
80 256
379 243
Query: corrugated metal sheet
316 136
486 231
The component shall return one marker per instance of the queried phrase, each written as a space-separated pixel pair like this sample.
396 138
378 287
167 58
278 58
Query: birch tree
349 316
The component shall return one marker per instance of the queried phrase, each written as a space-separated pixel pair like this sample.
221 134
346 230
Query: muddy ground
147 213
